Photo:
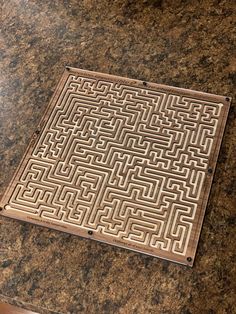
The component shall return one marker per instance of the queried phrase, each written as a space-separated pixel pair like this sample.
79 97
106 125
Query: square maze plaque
121 161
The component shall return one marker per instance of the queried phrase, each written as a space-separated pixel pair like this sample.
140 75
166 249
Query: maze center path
122 161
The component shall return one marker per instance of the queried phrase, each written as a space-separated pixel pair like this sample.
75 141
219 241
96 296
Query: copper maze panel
121 161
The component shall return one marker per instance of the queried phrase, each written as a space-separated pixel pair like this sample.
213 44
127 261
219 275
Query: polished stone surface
180 43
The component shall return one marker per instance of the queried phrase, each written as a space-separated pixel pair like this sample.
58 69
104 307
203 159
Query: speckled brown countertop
181 43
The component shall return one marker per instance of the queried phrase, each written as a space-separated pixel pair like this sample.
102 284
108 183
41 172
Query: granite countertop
182 43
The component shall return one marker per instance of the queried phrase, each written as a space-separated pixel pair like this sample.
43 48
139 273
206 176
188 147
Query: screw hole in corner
189 259
1 209
90 232
210 170
67 68
144 83
227 98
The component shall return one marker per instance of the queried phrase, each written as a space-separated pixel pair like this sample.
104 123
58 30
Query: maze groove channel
122 162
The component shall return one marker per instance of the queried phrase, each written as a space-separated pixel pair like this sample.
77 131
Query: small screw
37 132
145 83
227 99
210 170
68 68
90 232
189 259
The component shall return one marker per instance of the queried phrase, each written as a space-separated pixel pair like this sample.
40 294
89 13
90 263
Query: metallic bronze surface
10 309
122 161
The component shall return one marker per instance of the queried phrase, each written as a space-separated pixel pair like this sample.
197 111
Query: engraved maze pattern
123 161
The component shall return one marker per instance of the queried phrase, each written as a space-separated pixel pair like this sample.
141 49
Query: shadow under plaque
121 161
